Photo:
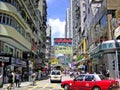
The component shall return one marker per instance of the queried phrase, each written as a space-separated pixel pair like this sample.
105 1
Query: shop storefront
104 55
4 62
84 65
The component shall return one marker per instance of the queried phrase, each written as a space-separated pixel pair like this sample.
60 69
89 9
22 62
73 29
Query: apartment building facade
97 37
22 33
103 43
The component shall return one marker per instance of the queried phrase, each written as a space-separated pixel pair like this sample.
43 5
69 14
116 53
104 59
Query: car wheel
66 87
96 88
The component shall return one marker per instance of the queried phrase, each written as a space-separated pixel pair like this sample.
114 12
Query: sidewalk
22 85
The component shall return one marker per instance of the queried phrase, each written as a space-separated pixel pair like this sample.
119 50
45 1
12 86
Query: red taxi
90 82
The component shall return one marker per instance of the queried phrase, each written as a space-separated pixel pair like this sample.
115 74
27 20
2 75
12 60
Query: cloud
57 27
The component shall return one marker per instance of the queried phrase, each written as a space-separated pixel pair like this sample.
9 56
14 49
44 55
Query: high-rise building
22 33
76 23
48 43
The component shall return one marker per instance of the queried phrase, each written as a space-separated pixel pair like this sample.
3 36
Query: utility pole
116 61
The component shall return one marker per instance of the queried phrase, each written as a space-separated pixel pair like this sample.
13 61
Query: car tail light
115 84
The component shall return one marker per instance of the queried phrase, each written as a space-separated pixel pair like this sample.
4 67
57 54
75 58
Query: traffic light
113 64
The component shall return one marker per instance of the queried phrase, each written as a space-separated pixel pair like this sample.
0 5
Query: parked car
55 75
90 82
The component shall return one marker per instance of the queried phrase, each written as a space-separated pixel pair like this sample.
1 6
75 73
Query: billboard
63 49
62 41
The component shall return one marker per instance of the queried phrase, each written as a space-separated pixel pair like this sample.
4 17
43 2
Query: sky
56 15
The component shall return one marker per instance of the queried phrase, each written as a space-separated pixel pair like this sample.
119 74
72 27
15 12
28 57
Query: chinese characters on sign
63 49
62 41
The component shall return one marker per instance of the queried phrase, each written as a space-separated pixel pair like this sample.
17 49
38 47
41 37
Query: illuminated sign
63 41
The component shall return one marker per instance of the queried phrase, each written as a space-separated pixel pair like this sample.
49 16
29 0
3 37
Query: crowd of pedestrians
14 77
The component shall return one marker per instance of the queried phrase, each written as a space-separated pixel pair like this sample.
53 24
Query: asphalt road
40 85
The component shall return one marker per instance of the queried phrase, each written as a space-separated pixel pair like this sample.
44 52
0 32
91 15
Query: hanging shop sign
18 61
24 64
13 60
106 45
63 49
5 59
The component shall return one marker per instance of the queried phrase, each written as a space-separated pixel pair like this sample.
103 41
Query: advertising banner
62 41
63 49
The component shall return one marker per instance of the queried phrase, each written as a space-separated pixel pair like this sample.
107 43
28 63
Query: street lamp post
116 61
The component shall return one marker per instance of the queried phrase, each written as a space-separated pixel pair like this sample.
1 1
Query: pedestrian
17 79
71 74
39 74
10 80
108 74
25 76
33 78
13 73
104 71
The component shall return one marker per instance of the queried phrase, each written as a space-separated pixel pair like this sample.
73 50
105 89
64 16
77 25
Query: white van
55 75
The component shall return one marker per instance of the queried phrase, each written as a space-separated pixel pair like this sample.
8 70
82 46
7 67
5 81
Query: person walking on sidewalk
17 79
108 74
13 73
33 78
10 80
39 74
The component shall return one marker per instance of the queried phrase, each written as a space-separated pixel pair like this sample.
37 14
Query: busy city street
44 84
59 44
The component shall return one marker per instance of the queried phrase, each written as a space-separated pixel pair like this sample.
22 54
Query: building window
6 49
11 51
9 20
18 54
3 19
0 18
13 2
103 22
